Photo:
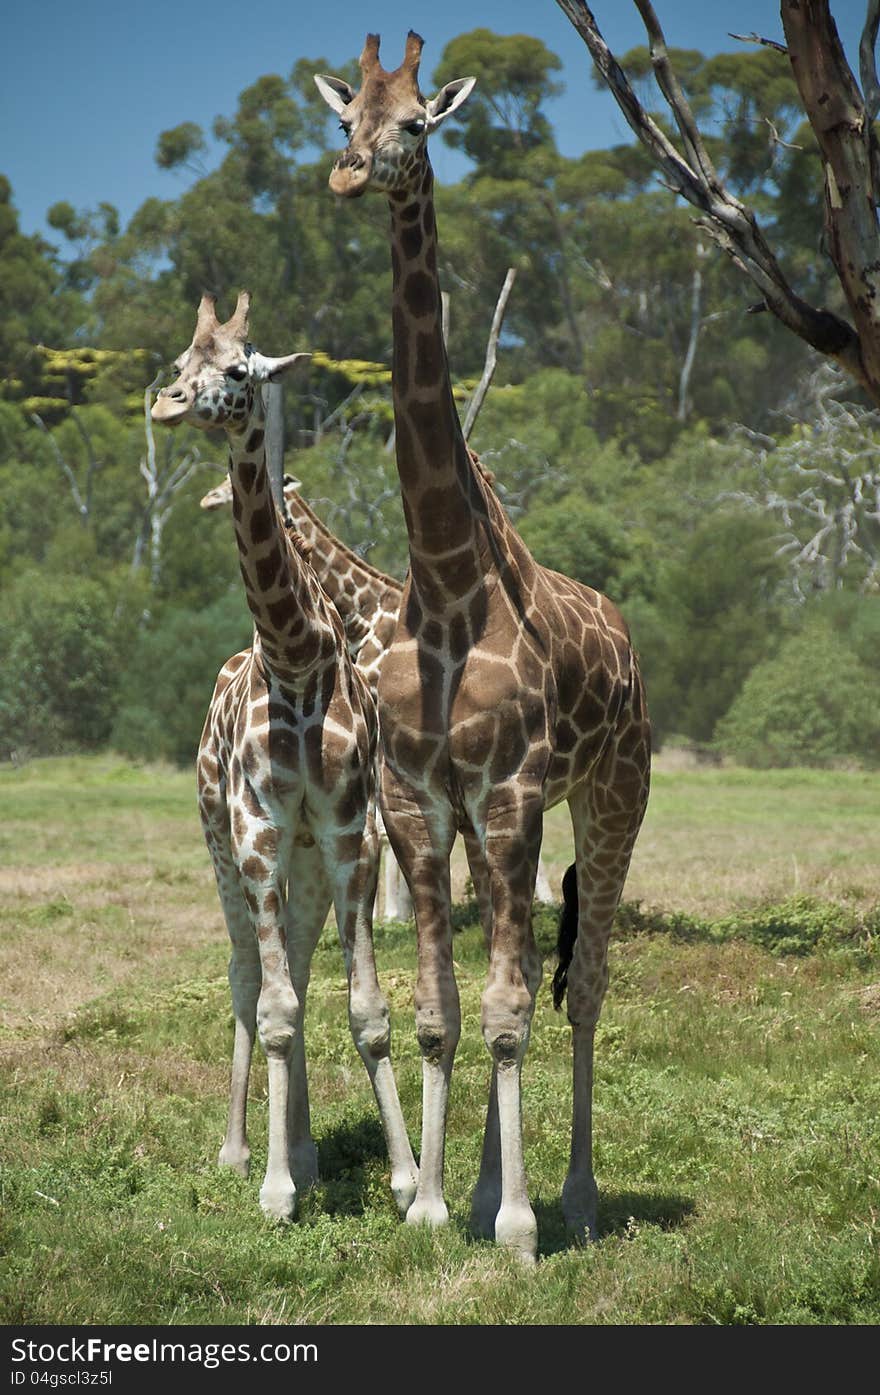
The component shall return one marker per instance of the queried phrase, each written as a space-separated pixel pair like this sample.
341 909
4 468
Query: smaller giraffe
368 601
286 777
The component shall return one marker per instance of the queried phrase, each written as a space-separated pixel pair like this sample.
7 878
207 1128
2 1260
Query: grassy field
737 1089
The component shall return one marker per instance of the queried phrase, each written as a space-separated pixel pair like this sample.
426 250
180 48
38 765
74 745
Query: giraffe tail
568 929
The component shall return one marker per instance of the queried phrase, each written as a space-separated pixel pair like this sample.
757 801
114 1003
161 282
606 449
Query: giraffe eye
415 128
238 371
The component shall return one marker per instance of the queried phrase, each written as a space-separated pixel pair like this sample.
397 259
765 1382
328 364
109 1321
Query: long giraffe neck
348 580
443 501
283 594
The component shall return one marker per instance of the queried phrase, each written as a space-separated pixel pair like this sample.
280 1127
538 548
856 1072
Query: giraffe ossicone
507 688
286 781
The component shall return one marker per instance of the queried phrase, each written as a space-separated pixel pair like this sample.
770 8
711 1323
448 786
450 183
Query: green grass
737 1089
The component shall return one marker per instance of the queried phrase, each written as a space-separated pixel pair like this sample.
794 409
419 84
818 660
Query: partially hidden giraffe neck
443 500
283 594
338 567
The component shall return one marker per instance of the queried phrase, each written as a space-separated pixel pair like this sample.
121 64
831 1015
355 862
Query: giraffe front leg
244 983
308 901
507 1007
355 859
278 1022
244 968
422 842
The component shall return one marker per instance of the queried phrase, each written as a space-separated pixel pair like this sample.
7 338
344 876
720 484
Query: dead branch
479 393
161 488
757 39
823 484
79 501
723 217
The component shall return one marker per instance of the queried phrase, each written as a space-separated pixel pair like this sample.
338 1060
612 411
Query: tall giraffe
511 687
286 779
368 601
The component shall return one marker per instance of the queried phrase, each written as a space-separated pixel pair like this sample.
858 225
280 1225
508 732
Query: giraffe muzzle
170 406
350 175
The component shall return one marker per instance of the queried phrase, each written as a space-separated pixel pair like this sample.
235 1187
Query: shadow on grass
349 1158
619 1213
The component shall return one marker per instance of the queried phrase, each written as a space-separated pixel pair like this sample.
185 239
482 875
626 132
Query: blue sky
88 87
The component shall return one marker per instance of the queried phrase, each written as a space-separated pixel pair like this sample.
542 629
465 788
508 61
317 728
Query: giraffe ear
448 100
336 93
270 370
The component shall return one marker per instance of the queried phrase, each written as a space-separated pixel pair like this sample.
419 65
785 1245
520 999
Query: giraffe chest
451 726
291 745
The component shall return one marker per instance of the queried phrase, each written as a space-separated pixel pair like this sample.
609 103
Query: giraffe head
220 496
387 122
219 374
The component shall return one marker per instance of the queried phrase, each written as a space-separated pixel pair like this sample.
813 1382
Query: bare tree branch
696 324
694 149
756 39
479 393
823 484
161 488
722 216
78 500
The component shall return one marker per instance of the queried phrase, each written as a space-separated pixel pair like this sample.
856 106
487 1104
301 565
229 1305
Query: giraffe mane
300 545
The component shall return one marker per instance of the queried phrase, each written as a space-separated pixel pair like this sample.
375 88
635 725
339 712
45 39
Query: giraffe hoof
236 1158
517 1230
430 1213
403 1188
278 1202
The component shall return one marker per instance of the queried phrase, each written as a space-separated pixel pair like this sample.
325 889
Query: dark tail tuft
568 929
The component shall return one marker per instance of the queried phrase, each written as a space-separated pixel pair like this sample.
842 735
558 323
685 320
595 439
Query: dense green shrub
61 648
794 926
580 539
813 703
168 686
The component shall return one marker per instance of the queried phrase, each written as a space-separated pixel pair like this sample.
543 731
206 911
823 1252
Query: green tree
62 646
718 612
36 304
503 120
169 680
581 540
813 703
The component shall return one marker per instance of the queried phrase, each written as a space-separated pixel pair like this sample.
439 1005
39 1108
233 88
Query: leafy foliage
61 643
813 703
167 686
626 359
